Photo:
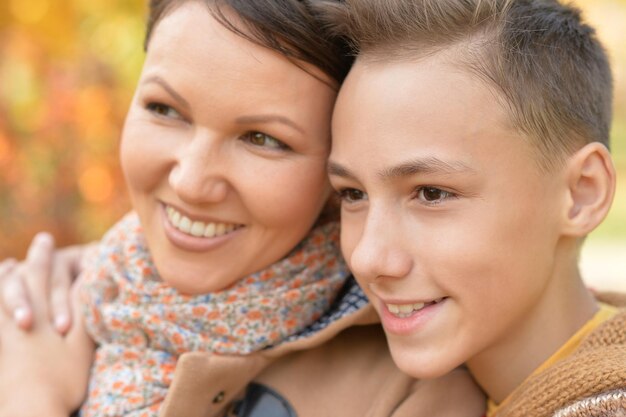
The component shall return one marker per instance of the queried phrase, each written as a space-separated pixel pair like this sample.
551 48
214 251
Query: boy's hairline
467 59
491 47
460 55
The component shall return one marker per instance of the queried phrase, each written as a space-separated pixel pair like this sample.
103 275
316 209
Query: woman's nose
379 252
198 176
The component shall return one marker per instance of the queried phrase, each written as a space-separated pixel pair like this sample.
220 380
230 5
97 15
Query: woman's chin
190 283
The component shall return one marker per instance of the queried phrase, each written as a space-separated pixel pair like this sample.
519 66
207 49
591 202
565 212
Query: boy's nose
199 176
379 252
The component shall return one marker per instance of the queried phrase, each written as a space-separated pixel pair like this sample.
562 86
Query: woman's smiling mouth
197 228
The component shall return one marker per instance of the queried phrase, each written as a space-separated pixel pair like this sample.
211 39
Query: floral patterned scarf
142 325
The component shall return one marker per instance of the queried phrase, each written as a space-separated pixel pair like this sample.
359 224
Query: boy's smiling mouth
198 228
406 310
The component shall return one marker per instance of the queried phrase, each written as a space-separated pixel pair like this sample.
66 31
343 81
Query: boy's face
447 223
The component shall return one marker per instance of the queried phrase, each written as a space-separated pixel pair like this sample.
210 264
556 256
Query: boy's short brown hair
544 62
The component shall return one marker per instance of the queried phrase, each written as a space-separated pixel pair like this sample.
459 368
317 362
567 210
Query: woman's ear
591 187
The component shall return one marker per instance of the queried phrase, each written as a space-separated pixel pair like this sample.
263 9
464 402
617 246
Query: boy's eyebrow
268 118
429 165
334 168
160 81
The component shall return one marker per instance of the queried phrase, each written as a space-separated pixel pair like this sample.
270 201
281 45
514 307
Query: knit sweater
591 382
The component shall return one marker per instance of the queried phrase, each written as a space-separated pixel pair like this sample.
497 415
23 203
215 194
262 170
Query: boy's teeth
209 230
197 228
405 310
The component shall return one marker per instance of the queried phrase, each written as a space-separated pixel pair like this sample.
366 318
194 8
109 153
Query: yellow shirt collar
603 314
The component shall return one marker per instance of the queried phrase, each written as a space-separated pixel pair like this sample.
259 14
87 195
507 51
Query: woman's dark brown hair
297 29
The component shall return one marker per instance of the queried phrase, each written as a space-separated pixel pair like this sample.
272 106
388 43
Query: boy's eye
263 140
162 110
432 195
351 195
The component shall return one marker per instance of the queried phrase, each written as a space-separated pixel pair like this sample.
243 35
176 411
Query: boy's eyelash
350 195
433 191
421 193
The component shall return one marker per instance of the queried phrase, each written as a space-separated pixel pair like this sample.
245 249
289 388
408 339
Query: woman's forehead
190 35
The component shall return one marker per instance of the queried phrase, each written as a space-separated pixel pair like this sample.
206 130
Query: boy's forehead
407 94
428 108
417 72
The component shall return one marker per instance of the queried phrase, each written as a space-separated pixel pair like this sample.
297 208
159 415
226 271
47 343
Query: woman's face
224 152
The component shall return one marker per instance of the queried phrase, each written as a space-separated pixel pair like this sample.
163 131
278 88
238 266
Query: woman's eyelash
264 140
162 110
255 138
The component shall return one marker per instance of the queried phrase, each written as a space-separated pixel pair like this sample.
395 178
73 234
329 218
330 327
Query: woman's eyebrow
155 79
269 118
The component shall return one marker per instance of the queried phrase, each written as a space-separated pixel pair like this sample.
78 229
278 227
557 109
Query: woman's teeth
406 310
197 228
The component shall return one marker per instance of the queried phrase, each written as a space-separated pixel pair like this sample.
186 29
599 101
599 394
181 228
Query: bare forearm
52 370
33 406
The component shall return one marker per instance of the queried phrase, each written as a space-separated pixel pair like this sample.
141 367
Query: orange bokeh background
67 74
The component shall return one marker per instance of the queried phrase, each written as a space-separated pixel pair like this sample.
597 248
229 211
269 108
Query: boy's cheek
351 230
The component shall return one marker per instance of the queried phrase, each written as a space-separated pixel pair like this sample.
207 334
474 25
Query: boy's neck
566 305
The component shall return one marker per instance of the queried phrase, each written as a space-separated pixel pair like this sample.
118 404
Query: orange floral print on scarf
142 325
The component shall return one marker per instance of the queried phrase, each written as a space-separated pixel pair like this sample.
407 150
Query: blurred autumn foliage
67 74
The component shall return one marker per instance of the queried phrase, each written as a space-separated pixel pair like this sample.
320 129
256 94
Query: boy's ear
591 187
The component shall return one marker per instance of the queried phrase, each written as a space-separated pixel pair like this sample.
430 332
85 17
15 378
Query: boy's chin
423 364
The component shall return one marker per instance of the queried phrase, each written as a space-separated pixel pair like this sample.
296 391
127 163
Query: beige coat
591 382
341 370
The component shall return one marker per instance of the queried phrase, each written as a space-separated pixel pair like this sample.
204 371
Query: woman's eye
263 140
433 195
351 195
162 110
